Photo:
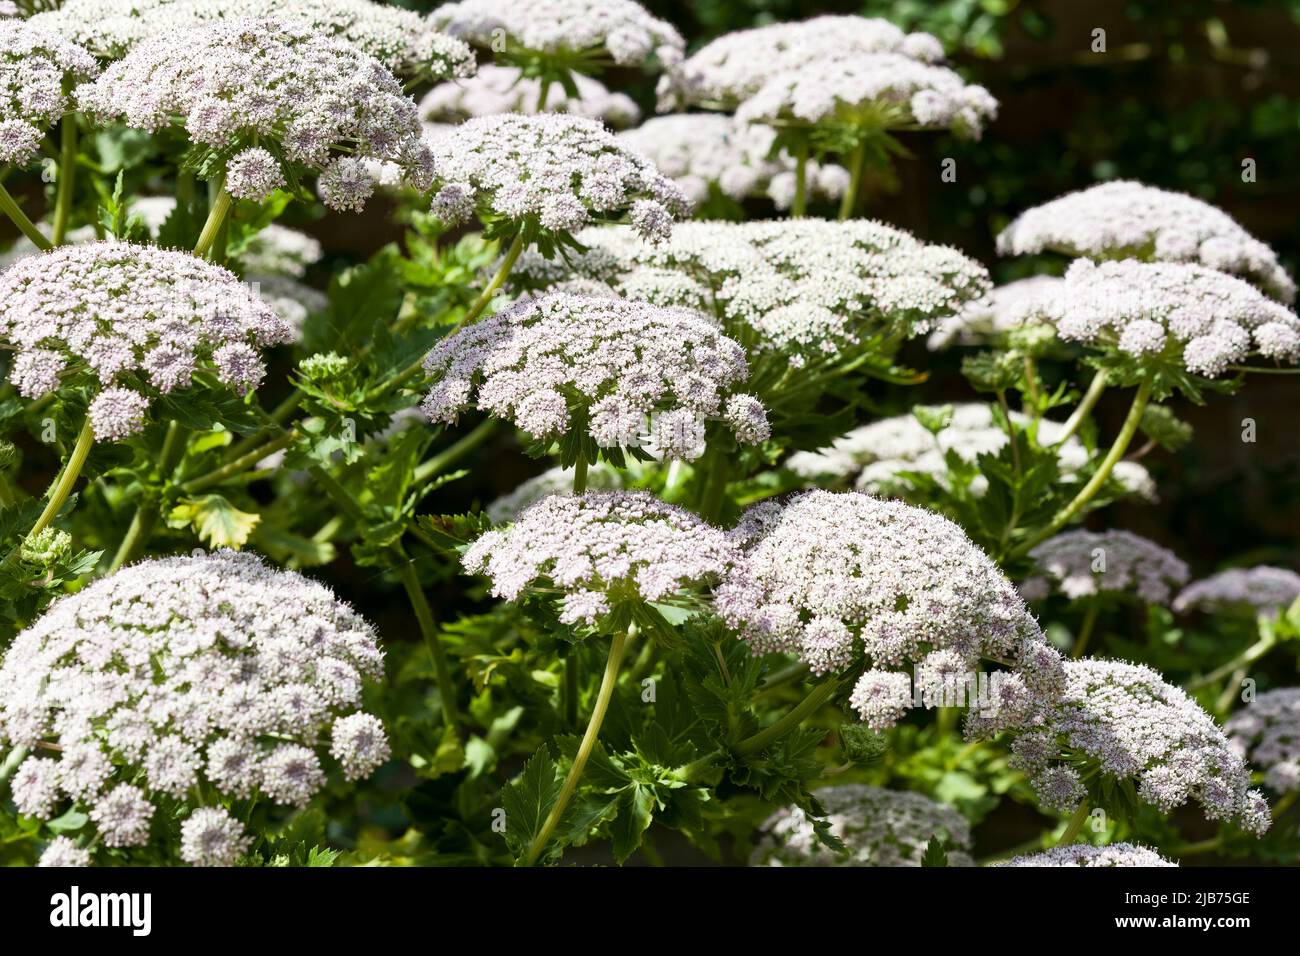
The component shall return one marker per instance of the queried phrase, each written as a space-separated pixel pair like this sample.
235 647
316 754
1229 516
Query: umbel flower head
874 92
878 827
1083 564
986 321
132 321
806 290
1261 589
829 576
36 68
1135 727
1266 732
506 89
602 366
600 549
704 152
212 672
401 40
268 100
1125 219
728 70
1083 854
1154 313
553 481
568 31
548 173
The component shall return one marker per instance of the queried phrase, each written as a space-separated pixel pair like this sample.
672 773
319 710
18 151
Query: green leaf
215 520
936 853
528 799
635 813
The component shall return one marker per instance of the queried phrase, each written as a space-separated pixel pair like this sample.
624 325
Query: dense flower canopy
402 40
621 29
551 171
828 576
1081 564
36 64
1190 315
215 670
1266 732
1082 854
728 70
599 548
1129 219
1262 588
131 320
804 288
553 481
876 92
1137 727
244 87
1007 307
878 827
600 364
706 151
505 89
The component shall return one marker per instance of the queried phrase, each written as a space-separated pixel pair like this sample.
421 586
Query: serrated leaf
528 799
216 521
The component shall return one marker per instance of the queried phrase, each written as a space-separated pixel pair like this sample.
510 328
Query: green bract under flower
130 321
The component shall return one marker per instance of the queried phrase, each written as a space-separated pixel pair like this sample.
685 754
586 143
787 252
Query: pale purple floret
210 836
36 64
1082 854
1262 589
1083 564
1266 731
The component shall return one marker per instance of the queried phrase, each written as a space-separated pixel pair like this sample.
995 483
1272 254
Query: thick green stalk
805 708
1086 405
800 206
240 464
580 475
455 452
607 683
857 165
1089 491
10 208
217 213
1075 824
424 617
67 179
67 478
1085 629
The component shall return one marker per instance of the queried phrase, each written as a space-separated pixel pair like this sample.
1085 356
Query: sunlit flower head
1083 854
505 89
1266 732
1261 589
36 66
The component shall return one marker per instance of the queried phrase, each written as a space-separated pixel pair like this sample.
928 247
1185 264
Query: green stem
67 478
714 492
1086 405
544 85
146 513
606 693
217 212
424 617
857 164
580 475
1245 658
240 464
805 708
1072 828
1086 494
1086 629
67 179
455 452
1204 846
19 218
1285 804
800 206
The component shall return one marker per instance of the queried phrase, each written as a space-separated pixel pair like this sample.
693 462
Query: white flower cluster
279 251
1202 318
1136 727
706 151
878 91
806 288
553 481
214 670
600 548
243 87
505 89
1125 219
879 827
732 68
1005 308
132 319
1267 733
35 66
1083 854
8 8
556 171
1082 564
402 40
1262 588
601 364
878 453
623 29
827 575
